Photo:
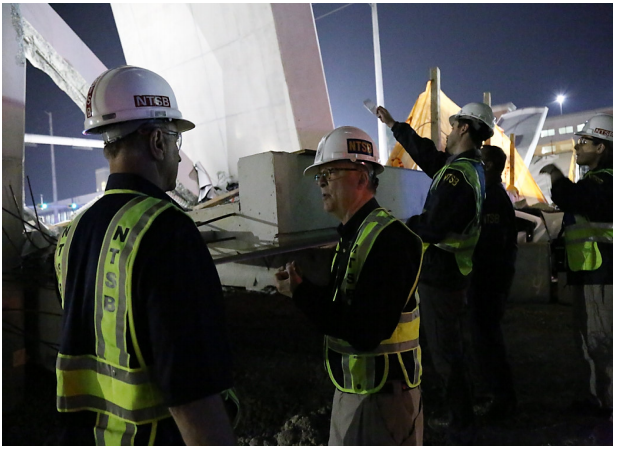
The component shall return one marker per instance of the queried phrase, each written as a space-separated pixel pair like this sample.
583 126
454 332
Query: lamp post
560 99
383 155
54 190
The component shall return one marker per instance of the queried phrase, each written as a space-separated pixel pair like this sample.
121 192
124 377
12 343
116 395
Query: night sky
521 53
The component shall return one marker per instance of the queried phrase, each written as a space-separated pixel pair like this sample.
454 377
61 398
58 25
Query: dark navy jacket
592 197
448 208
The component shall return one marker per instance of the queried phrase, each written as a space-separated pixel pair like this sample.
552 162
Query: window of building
580 126
548 149
565 130
545 133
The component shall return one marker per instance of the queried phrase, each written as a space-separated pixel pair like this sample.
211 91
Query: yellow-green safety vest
359 367
104 381
463 245
581 239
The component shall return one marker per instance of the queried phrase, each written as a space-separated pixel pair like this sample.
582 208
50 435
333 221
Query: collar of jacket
472 154
137 183
348 230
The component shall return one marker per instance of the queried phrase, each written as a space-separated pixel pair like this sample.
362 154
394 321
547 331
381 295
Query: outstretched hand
287 279
552 170
385 116
549 168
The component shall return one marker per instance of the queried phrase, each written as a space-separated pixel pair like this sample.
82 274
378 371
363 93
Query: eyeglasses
178 135
331 174
584 140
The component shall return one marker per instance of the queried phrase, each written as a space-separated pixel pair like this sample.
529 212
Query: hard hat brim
595 136
313 169
181 124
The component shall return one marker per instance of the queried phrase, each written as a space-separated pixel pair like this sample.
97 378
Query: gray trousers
441 314
377 419
593 314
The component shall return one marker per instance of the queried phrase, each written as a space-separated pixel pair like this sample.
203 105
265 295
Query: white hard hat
480 114
127 96
600 126
345 143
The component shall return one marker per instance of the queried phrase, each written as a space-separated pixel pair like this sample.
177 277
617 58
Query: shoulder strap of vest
131 191
465 166
123 191
367 233
113 282
61 255
597 171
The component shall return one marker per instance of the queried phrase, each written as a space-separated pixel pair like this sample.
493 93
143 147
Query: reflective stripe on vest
104 382
463 245
110 430
359 367
404 337
581 238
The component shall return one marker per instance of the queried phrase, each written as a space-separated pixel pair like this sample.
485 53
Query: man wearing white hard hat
144 358
449 226
368 311
588 237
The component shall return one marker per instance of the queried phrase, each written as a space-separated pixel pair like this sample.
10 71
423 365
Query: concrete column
13 116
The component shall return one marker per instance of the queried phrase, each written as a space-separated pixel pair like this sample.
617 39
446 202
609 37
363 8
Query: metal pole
486 99
54 191
436 108
381 128
511 179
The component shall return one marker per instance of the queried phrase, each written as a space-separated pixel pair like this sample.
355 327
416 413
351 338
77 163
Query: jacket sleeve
179 309
498 233
450 209
589 196
422 150
385 283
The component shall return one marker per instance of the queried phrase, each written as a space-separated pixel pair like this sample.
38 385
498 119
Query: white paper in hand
370 106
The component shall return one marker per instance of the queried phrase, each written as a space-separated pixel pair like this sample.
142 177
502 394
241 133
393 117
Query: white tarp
564 161
526 125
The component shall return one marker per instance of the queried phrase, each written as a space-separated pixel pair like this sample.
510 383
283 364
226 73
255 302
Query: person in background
588 236
144 357
368 311
494 267
449 226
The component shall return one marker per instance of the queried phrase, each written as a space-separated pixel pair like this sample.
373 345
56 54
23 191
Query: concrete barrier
532 281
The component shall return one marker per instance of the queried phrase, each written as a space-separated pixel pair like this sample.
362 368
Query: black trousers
486 311
441 315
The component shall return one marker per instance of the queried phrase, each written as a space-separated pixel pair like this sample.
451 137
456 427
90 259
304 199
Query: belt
392 387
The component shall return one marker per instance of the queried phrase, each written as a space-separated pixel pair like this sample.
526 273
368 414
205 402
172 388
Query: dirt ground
286 395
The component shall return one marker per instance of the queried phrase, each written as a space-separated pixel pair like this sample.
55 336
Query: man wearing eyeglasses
588 237
144 358
449 225
368 311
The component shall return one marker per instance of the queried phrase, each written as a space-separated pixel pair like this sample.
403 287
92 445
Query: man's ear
157 144
600 148
364 179
464 128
